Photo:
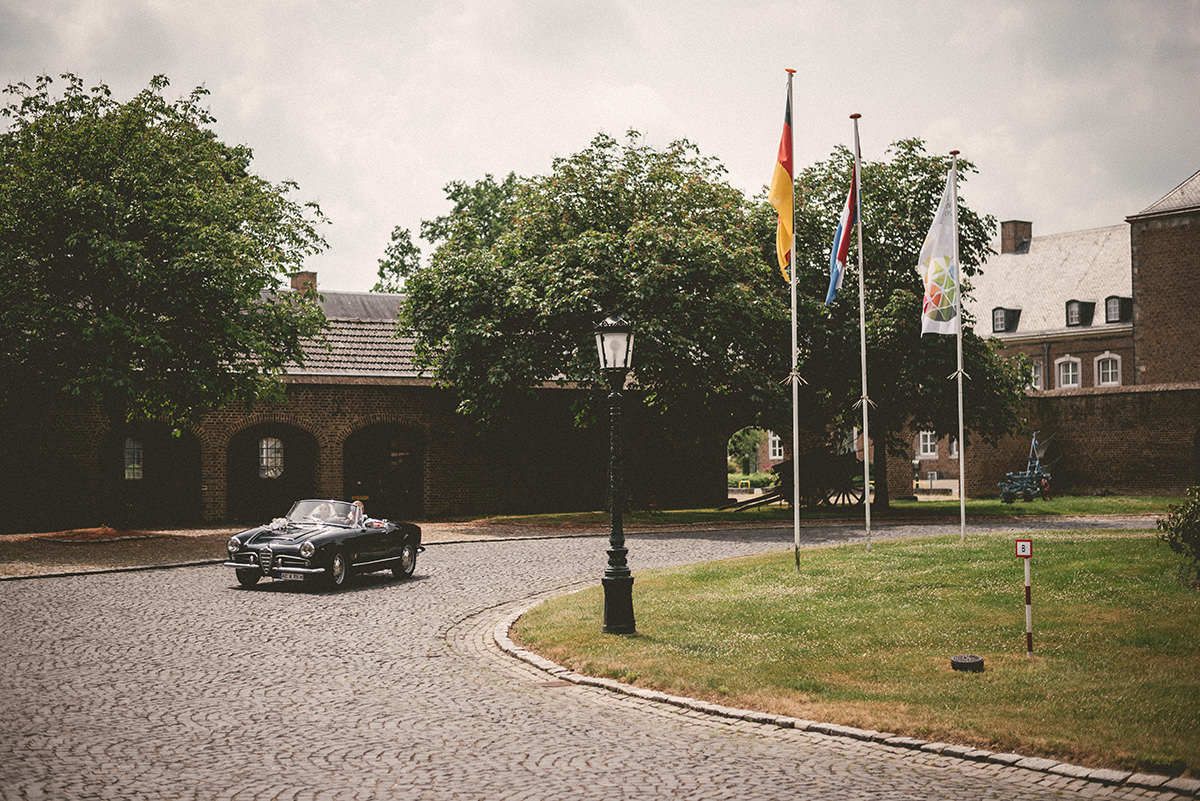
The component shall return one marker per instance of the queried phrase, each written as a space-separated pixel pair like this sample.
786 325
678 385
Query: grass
900 511
865 639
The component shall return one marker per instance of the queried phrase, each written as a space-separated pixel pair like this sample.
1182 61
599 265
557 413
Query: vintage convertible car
325 542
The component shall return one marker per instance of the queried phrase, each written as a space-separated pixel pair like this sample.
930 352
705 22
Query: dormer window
1118 309
1005 319
1079 312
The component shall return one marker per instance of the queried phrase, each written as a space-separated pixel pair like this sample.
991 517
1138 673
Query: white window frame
134 460
999 320
270 457
1097 372
1037 375
774 446
1059 364
1112 314
1074 313
927 445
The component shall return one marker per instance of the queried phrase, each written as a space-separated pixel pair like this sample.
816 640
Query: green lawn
865 639
899 512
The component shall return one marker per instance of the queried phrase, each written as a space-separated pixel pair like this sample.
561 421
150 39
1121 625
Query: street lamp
614 342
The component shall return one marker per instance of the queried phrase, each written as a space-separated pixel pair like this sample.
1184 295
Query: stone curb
1104 776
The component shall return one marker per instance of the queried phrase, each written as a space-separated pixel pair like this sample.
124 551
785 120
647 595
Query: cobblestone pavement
178 684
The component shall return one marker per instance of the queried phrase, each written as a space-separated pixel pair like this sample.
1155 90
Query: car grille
291 561
264 560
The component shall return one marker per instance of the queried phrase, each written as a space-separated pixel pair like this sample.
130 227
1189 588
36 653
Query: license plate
286 576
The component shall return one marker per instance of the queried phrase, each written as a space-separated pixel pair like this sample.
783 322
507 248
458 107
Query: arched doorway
271 465
152 475
383 467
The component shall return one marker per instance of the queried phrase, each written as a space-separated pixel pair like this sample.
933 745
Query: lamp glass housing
614 343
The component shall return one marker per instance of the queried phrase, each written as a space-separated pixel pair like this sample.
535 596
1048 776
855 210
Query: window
1118 309
1035 375
1005 319
1108 370
1079 312
954 447
1068 372
133 459
270 457
774 446
927 447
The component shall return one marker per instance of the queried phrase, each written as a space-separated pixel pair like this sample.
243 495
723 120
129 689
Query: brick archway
383 465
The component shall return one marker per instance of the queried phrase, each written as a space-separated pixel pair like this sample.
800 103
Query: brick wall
1103 341
64 460
1166 285
1135 440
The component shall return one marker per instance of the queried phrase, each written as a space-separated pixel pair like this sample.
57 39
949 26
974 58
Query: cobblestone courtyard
178 684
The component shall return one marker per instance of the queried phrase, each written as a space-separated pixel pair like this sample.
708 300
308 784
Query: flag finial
953 152
788 71
855 116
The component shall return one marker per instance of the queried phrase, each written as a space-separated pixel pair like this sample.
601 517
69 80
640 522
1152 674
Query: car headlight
307 549
234 545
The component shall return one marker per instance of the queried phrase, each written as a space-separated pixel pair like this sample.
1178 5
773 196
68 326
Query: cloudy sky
1076 113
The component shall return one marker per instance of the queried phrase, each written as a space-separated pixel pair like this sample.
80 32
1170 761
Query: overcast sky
1076 113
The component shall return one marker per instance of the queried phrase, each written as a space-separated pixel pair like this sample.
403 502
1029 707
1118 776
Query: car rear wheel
247 578
339 571
408 562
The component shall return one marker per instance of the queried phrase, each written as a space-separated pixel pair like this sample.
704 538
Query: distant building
1110 320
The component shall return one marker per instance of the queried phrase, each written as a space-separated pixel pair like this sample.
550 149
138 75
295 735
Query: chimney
304 281
1015 236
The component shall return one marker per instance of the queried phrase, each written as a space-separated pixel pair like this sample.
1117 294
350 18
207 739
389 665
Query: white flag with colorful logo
938 265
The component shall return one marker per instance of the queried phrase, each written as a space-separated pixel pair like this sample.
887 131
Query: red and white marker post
1025 551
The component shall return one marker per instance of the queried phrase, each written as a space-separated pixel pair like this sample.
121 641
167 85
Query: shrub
1180 529
757 480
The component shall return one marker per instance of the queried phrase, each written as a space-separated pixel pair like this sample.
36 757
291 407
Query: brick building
1109 319
359 421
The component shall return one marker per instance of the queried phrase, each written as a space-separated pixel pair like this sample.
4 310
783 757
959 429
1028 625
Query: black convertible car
325 542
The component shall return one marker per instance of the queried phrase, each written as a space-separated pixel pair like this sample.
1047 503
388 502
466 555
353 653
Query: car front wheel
247 578
408 562
339 571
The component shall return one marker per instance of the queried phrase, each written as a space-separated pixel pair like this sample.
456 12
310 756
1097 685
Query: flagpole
962 443
795 376
862 335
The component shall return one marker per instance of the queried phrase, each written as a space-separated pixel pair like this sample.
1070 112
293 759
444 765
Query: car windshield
338 513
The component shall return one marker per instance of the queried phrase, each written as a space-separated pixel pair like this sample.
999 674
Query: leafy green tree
656 235
910 378
139 252
481 212
401 259
743 449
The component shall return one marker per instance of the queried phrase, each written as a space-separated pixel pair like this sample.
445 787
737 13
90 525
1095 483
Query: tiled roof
1081 265
362 340
1182 198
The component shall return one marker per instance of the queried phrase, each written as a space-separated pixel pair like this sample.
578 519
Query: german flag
781 191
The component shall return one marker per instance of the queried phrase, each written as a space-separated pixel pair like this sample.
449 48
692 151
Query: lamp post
614 341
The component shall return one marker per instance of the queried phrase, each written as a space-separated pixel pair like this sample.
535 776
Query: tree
658 236
907 374
401 259
142 255
742 449
481 212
